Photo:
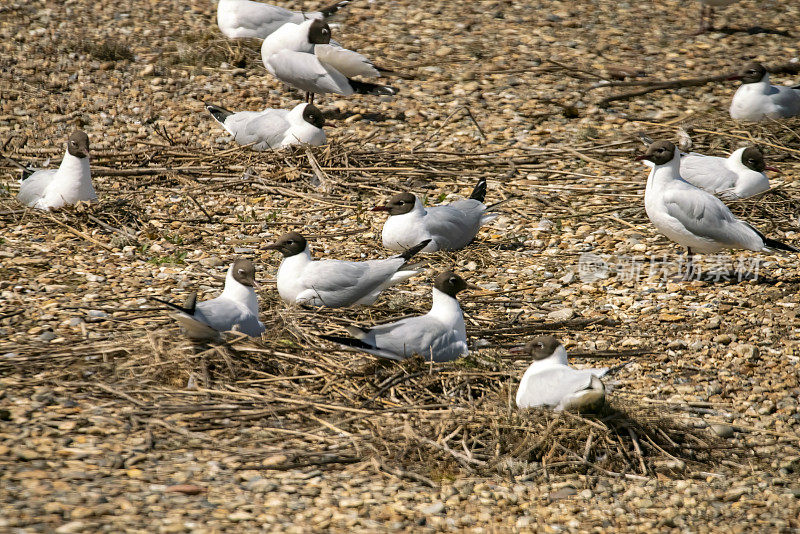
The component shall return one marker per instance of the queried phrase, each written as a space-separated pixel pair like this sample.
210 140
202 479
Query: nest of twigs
285 407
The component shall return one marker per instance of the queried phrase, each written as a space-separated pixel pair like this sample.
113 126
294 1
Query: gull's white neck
72 183
445 308
559 357
240 293
661 175
734 163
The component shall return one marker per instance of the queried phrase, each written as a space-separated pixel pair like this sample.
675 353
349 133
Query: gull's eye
452 279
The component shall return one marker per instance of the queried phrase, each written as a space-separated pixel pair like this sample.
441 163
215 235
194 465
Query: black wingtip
479 193
347 341
410 252
332 9
777 245
367 88
191 302
219 113
187 310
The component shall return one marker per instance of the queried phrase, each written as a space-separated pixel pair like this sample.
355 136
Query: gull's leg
312 99
689 265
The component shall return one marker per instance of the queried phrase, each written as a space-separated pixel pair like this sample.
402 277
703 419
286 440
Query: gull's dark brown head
450 283
399 204
244 272
312 115
78 144
660 153
753 159
538 348
289 244
752 73
319 32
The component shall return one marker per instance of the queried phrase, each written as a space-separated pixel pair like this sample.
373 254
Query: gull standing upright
236 308
692 217
70 183
243 19
449 227
439 335
336 283
273 128
740 175
552 383
302 56
756 99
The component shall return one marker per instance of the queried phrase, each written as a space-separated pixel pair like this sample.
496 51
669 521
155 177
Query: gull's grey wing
707 217
258 20
265 130
787 100
32 188
454 226
423 335
341 283
550 386
346 61
707 172
306 72
222 314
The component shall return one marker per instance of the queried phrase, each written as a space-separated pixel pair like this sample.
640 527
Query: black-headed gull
336 283
740 175
439 335
243 19
302 56
449 227
707 13
67 185
273 128
550 382
756 99
235 309
692 217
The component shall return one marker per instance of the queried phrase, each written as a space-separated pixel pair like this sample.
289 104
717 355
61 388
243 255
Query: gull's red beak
640 158
734 77
772 169
518 350
380 208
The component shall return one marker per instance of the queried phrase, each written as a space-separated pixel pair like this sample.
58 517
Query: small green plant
175 239
175 259
441 198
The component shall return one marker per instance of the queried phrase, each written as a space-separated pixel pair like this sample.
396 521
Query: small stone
211 261
47 336
71 527
564 314
443 51
723 431
186 489
677 344
563 493
723 339
433 508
